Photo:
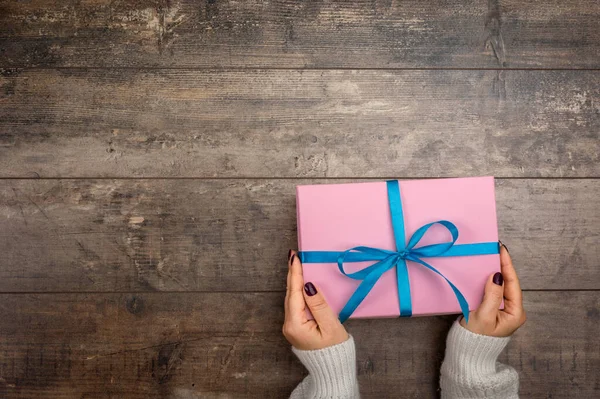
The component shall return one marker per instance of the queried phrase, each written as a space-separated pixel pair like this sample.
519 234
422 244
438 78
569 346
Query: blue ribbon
386 259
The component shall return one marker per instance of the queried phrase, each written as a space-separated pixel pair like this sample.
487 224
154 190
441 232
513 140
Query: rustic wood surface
233 235
149 151
145 123
199 345
288 33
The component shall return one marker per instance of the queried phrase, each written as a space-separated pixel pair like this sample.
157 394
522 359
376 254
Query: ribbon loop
375 254
386 260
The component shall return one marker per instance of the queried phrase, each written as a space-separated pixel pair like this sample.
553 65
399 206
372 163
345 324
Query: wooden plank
284 33
128 123
233 235
191 345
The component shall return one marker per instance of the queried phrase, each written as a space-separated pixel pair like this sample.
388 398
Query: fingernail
292 259
498 279
505 247
289 254
310 289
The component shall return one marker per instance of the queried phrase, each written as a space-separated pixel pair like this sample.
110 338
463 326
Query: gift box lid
336 217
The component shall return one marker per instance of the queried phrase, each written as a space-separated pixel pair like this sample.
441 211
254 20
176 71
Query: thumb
492 298
323 314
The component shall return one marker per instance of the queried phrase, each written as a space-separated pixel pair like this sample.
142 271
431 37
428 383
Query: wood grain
129 123
216 345
233 235
286 33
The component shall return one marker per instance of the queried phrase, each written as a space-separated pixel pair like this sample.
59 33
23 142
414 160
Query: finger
291 253
323 314
292 271
296 279
289 275
286 305
287 286
492 298
296 304
512 287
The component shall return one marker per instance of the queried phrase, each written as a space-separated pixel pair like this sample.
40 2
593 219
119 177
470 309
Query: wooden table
149 152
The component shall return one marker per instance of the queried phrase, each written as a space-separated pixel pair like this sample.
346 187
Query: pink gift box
337 217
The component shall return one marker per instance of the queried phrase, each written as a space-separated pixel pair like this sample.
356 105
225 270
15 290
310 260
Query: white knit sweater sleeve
331 372
470 368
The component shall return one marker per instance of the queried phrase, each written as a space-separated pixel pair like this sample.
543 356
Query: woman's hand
488 319
325 330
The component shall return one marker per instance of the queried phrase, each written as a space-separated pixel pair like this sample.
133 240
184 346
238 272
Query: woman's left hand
325 330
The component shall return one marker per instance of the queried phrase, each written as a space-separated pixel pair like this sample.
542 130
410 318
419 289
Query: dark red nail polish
505 247
498 279
292 260
310 289
289 254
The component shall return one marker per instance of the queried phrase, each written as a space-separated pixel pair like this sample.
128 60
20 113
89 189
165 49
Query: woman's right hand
488 319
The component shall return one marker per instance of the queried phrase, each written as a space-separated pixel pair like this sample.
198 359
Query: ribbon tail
403 289
462 301
363 290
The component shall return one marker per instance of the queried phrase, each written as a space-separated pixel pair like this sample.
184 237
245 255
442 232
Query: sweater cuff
472 355
333 369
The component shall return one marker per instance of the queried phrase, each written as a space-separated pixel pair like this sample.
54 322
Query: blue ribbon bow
386 259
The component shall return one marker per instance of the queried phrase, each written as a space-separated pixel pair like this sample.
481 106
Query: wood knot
168 359
135 305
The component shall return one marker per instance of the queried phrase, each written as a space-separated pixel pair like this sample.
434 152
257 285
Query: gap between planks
291 178
250 69
230 292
